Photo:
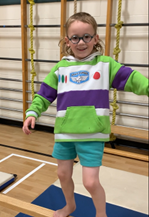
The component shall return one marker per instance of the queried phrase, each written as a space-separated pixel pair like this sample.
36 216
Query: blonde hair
85 18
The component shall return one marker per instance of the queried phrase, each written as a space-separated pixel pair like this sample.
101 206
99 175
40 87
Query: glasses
86 38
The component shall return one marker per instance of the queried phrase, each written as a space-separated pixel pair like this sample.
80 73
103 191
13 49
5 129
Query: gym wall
133 45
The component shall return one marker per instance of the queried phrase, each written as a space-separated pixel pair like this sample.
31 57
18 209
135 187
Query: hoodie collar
88 58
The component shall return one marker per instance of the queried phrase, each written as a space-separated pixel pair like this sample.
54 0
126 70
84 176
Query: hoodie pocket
80 120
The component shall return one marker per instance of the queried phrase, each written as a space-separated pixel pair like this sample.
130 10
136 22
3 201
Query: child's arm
137 84
45 96
127 79
39 104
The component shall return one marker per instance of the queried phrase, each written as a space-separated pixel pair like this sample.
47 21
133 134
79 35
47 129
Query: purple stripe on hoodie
121 77
98 98
47 92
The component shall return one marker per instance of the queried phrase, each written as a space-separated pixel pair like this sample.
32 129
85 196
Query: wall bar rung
120 102
11 119
131 115
10 89
48 61
56 61
58 26
36 82
10 26
11 109
131 24
10 99
118 113
45 26
10 79
9 58
130 103
135 65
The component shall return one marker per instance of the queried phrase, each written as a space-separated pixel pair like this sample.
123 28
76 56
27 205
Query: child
81 82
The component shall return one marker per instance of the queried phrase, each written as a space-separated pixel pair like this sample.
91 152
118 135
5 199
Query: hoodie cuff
31 113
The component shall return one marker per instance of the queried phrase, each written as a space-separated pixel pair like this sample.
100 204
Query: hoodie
82 91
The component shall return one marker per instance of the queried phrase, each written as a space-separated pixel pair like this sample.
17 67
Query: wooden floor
25 153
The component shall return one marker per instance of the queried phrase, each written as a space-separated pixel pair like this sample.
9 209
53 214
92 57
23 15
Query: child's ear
67 41
96 39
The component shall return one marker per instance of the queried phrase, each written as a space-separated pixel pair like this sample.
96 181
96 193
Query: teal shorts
90 153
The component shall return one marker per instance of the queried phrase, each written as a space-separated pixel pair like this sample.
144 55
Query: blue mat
52 198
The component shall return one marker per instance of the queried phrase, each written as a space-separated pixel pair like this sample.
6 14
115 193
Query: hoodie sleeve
137 84
127 79
45 96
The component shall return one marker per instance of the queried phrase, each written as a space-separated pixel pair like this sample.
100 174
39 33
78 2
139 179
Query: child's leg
92 184
65 169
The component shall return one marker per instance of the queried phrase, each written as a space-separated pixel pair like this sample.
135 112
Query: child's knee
63 175
91 185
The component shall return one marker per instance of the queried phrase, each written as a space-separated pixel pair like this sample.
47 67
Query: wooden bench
129 132
24 207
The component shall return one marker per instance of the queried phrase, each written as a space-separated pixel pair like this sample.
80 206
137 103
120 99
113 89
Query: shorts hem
91 165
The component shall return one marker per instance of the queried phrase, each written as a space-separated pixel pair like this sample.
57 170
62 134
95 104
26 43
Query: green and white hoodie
82 91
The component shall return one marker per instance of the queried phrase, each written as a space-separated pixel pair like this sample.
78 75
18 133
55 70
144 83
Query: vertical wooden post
63 21
24 54
108 28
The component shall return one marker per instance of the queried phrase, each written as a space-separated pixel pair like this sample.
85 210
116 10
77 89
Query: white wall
133 44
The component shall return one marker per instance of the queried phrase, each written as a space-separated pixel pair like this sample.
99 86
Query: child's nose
81 41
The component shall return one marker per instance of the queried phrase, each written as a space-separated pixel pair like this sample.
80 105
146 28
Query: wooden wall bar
24 54
108 28
63 21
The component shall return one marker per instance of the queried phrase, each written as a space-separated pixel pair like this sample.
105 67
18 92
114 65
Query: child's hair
85 18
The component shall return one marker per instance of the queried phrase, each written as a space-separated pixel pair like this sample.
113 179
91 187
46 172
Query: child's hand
29 121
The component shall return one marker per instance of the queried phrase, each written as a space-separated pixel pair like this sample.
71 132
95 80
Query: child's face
80 29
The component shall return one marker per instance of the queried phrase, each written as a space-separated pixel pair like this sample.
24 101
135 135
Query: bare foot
64 212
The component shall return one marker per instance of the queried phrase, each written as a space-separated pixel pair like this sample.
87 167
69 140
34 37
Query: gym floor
30 158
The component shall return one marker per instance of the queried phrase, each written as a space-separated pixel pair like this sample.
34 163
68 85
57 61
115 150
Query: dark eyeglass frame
79 38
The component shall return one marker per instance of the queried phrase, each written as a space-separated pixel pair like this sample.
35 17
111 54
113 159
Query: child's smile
82 49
